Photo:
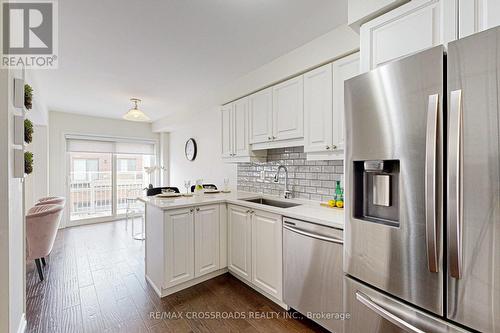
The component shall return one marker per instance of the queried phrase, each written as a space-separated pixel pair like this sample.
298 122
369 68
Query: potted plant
28 131
28 96
28 162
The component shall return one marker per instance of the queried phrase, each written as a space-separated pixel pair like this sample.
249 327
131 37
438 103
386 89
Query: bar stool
135 209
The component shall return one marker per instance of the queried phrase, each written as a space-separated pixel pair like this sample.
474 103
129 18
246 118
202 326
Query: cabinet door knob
269 138
197 209
274 137
327 147
248 211
334 147
191 210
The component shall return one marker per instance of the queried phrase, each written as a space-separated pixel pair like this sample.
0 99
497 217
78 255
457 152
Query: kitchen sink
274 203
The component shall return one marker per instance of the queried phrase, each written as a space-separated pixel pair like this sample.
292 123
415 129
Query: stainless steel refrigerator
422 237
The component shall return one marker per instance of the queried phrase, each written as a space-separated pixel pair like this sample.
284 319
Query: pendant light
134 114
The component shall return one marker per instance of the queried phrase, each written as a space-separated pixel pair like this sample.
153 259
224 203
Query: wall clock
190 149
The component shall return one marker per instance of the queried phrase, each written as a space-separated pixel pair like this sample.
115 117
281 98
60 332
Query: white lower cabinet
255 249
240 241
267 253
206 239
179 251
191 243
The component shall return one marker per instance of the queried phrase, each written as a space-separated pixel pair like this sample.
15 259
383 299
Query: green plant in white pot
28 131
28 162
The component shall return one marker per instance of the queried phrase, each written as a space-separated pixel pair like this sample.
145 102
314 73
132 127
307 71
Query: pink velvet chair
41 229
51 200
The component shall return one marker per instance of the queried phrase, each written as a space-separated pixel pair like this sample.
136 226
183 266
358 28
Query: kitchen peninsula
192 239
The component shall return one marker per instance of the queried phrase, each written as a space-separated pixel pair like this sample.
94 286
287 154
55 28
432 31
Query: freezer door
373 312
394 128
473 214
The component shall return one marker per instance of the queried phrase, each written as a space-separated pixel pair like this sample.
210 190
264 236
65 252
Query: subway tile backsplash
312 180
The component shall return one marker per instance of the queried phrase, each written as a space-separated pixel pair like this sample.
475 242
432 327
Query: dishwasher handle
314 235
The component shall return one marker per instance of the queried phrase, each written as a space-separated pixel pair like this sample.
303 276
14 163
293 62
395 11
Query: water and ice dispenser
376 191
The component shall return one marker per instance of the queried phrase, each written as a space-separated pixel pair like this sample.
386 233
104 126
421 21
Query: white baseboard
260 291
22 324
162 292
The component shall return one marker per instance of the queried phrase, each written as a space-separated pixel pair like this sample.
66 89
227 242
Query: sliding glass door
90 185
104 174
130 178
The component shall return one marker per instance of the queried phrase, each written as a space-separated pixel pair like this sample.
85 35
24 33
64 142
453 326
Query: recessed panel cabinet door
240 113
343 69
226 129
267 253
179 251
318 109
288 109
415 26
206 239
240 241
260 112
477 15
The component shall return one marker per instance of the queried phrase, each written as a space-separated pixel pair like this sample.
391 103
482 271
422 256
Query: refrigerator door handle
455 185
430 182
381 311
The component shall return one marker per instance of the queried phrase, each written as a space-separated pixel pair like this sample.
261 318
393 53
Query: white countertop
310 211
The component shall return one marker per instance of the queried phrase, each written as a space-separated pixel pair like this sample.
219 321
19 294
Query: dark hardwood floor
94 282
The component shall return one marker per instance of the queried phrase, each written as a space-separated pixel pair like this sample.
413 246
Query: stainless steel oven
313 271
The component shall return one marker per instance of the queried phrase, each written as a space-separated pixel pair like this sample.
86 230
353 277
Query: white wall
12 274
203 121
61 123
205 128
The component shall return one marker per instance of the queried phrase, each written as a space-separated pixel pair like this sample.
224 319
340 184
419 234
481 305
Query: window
126 164
83 168
103 174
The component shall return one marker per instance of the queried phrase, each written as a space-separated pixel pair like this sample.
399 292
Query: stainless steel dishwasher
313 272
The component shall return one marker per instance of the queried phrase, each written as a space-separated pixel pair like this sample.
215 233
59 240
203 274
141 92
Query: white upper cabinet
361 11
477 15
260 107
206 239
235 146
240 116
318 115
267 271
288 109
226 129
324 107
343 69
410 28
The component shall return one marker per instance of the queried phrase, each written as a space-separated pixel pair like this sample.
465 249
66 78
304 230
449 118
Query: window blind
109 145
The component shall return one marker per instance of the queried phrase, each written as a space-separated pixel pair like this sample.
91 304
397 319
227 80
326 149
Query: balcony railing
91 193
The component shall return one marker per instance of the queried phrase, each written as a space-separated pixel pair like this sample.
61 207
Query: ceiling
170 53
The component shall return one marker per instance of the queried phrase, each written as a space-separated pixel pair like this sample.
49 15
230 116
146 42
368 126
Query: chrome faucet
287 194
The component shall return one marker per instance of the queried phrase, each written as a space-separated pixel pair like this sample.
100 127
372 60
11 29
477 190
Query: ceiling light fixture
134 114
